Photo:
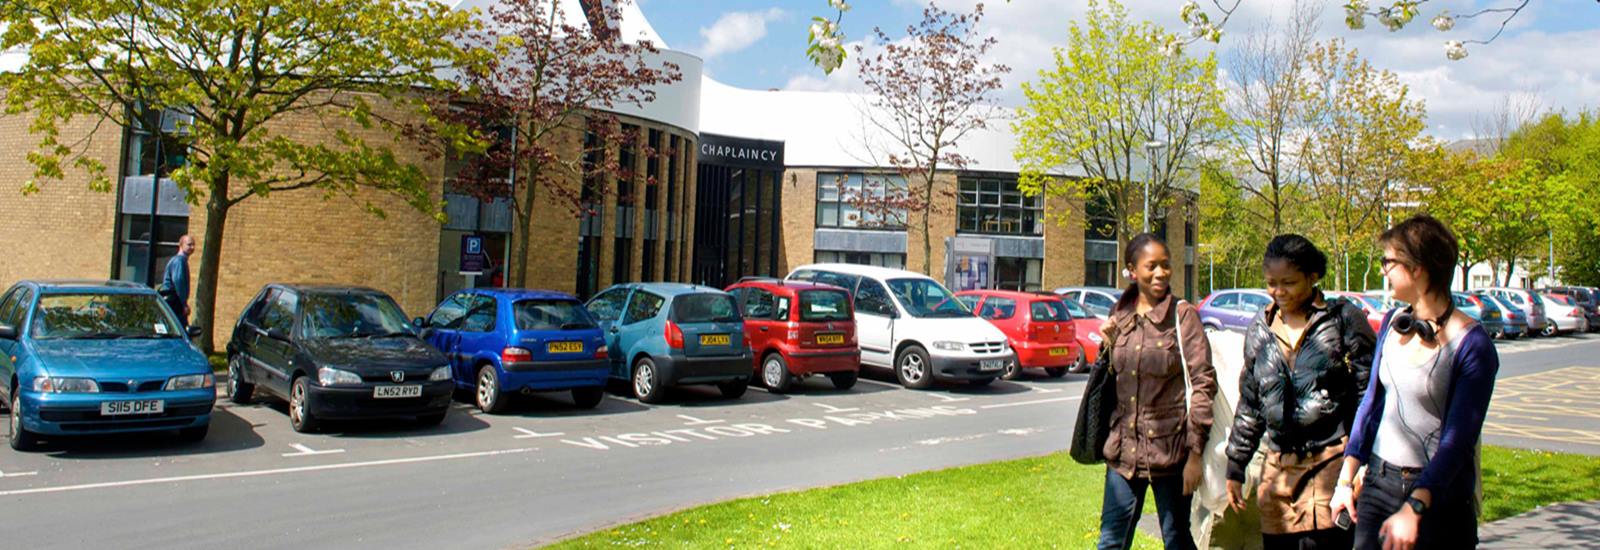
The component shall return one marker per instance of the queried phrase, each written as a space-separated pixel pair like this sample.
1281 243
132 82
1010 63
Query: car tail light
1575 313
515 355
1475 301
674 336
601 352
793 333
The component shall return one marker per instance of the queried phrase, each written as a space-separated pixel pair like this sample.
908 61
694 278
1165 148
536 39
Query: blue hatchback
501 341
86 358
668 334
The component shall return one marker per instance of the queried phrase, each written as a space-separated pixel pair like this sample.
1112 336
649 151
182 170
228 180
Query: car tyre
734 389
647 381
487 394
775 373
913 369
239 391
194 434
21 438
1549 330
432 419
1056 372
1500 334
1013 369
588 398
1082 364
300 417
844 380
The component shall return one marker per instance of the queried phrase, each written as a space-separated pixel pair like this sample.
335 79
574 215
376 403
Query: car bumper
968 367
555 375
678 369
805 363
357 401
1039 356
79 413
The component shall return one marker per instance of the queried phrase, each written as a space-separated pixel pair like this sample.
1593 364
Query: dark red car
1038 327
796 329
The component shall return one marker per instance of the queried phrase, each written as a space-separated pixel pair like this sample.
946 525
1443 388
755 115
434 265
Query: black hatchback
336 353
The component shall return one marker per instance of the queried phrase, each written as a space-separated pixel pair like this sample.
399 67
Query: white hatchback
910 323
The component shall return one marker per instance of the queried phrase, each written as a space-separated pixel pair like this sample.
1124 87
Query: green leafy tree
237 69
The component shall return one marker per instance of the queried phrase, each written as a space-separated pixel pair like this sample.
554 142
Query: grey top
1414 405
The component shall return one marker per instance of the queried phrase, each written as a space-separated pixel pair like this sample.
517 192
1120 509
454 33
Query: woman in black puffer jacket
1307 362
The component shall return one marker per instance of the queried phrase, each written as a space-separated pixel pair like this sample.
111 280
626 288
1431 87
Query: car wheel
1500 334
21 439
1549 330
1081 365
775 373
195 434
843 380
489 397
913 369
647 382
239 391
300 417
734 389
588 398
432 419
1056 372
981 382
1013 369
1212 328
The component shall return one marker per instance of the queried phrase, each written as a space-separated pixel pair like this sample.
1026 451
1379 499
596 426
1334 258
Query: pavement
547 471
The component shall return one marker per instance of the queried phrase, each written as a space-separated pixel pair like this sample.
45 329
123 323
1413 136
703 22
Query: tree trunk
205 297
1511 268
524 229
927 213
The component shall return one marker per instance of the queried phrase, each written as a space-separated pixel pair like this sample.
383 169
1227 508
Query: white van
910 323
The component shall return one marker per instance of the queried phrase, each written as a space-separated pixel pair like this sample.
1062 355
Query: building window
1102 222
627 201
1100 273
868 201
591 221
153 212
880 259
652 204
667 263
1017 273
994 205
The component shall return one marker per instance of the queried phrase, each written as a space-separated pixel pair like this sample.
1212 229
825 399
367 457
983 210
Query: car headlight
190 382
947 345
329 376
438 374
1094 336
65 385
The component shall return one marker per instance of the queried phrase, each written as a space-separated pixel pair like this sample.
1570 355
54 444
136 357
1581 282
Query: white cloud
736 31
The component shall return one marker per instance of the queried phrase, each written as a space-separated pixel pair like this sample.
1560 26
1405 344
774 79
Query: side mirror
194 331
277 334
419 322
8 332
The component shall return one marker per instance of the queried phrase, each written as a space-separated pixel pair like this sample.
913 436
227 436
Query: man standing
175 281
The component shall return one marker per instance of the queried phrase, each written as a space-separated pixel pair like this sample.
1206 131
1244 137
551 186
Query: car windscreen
1049 310
103 316
926 298
1076 310
551 315
704 308
824 305
353 315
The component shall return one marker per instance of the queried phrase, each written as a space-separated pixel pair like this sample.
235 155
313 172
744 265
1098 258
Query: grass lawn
1042 502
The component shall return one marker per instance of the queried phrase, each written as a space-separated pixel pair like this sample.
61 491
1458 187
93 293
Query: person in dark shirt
175 280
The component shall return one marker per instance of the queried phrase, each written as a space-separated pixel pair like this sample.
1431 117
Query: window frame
973 194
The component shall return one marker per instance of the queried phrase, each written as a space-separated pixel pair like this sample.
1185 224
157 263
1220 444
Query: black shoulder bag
1099 401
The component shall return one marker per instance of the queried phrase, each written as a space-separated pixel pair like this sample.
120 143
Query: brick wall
1063 243
66 231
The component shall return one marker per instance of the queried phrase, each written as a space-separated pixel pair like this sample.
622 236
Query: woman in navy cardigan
1418 425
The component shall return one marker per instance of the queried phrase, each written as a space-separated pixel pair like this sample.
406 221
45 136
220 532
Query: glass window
644 305
608 305
1254 302
6 305
836 279
1098 304
782 314
993 205
448 314
998 308
970 300
759 304
550 315
1049 310
1076 310
880 259
280 312
824 305
873 299
103 316
927 298
875 201
17 315
707 308
1017 273
1227 300
480 313
353 315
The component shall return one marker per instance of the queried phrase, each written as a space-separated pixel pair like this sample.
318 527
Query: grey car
1232 309
1099 300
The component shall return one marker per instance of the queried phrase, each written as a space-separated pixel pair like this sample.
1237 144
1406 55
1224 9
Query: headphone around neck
1406 322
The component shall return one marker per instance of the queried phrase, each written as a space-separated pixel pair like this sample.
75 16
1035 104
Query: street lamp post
1150 148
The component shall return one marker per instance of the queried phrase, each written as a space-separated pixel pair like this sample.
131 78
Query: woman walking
1417 428
1164 384
1306 365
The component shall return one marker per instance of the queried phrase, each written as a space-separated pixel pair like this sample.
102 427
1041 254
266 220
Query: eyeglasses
1386 263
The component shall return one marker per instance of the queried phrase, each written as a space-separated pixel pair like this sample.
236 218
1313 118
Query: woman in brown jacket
1162 418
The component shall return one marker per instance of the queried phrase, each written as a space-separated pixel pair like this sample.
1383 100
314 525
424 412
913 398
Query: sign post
473 260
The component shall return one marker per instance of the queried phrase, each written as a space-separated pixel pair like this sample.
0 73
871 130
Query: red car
1087 329
796 329
1038 327
1369 305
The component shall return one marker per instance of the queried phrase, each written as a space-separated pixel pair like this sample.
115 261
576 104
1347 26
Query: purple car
1232 309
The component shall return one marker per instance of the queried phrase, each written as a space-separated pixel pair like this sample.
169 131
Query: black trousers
1325 539
1448 523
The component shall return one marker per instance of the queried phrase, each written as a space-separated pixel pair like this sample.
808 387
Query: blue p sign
474 245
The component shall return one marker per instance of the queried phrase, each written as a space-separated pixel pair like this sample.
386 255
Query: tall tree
1268 111
1110 94
551 76
926 92
1457 193
237 68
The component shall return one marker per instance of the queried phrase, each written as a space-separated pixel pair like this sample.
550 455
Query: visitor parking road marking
832 409
692 421
527 433
302 450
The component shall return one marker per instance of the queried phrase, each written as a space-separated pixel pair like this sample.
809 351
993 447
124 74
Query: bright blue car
669 334
83 358
501 341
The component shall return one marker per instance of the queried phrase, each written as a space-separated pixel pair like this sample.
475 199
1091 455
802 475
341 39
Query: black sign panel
741 152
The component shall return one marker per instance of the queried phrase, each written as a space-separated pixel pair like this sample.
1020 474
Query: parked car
336 352
797 329
1232 309
910 323
1527 301
1086 328
505 341
1486 313
1515 323
1565 315
1386 299
1099 300
672 334
85 358
1588 299
1038 328
1371 307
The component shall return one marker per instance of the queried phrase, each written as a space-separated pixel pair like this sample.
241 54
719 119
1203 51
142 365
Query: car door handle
764 329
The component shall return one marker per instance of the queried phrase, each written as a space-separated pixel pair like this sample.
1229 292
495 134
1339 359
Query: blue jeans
1448 523
1124 501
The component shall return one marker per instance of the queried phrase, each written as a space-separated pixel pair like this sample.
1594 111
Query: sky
1548 56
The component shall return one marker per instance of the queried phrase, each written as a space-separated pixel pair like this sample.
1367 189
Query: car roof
1013 294
880 273
1101 289
522 293
669 290
50 286
792 285
324 288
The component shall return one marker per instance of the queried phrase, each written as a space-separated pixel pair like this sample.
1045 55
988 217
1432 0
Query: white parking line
302 450
1034 402
258 473
692 421
527 433
946 398
17 474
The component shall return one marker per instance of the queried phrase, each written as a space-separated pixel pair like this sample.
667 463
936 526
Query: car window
836 279
998 308
1252 303
280 311
480 313
873 299
759 304
608 305
644 305
824 305
708 308
1049 310
970 300
352 315
1075 309
449 314
550 315
1098 304
6 304
927 298
782 313
103 316
1227 300
1460 301
802 275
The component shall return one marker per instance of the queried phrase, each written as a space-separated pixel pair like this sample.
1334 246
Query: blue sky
1549 54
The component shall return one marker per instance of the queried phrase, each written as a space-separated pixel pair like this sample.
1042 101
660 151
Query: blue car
501 341
669 334
83 358
1514 321
1484 311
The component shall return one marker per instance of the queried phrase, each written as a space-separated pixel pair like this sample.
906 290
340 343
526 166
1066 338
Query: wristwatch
1417 505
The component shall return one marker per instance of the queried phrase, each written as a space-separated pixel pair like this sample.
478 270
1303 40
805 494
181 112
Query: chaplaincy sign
741 152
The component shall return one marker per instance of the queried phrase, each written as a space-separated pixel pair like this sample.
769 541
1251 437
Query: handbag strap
1188 386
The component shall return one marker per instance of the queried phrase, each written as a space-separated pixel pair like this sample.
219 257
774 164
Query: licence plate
391 392
714 340
564 347
117 408
1058 351
991 364
834 338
